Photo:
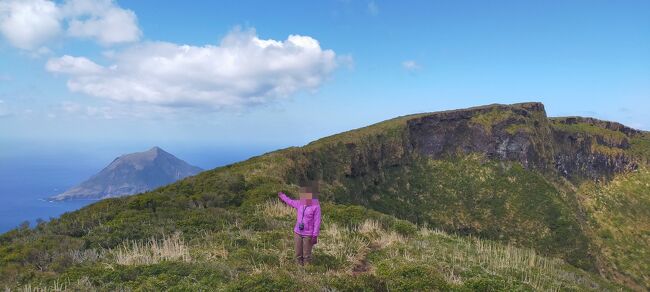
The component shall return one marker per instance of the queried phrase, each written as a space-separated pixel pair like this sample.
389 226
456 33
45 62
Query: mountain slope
358 250
131 174
619 222
504 173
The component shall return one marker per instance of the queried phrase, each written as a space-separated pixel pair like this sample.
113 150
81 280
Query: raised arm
287 200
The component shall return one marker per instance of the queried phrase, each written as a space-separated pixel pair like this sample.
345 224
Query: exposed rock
131 174
523 133
576 156
518 133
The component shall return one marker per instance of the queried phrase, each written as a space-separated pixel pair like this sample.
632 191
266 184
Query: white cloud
31 24
242 70
73 65
373 9
101 20
27 24
410 65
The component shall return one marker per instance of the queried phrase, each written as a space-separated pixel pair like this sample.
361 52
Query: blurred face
306 197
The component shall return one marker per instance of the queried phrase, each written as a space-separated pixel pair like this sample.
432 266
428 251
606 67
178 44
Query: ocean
25 185
27 180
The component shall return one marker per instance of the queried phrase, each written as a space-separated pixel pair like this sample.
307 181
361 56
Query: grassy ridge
377 190
359 249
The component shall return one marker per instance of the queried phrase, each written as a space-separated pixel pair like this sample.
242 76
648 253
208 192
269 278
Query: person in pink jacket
307 225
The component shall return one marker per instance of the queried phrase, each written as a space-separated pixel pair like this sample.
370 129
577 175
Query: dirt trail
364 266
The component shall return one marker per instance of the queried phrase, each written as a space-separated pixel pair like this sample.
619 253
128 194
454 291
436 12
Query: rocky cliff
504 132
575 148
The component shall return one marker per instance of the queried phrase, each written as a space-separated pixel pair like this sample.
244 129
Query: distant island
132 174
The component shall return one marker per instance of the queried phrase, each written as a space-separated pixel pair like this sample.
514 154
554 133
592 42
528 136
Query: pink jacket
310 219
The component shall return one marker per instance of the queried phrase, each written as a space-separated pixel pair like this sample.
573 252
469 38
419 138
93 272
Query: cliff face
576 148
516 133
591 149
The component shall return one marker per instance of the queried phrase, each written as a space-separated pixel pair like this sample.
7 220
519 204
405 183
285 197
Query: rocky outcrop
517 133
592 156
613 126
576 148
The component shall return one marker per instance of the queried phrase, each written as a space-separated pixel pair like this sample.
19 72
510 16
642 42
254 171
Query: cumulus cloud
73 65
27 24
101 20
241 70
31 24
410 65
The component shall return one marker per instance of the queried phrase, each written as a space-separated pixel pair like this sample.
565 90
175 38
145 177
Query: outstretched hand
280 194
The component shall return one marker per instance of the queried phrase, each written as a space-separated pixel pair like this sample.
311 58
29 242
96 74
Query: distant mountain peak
157 150
131 174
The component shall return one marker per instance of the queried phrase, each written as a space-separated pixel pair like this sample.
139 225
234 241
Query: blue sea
27 179
26 182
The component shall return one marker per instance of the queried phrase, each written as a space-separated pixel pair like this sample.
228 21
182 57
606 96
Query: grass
169 248
610 136
640 146
620 224
493 118
370 255
390 127
472 195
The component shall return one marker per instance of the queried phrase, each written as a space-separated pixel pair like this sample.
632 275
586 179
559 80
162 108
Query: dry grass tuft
276 209
344 243
83 284
170 248
379 236
87 255
370 227
389 238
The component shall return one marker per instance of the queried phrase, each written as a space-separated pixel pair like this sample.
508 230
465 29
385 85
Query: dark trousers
303 248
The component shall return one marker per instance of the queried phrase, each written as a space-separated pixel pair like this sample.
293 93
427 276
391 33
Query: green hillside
497 197
359 249
619 219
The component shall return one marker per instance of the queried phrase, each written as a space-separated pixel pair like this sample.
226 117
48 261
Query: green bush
263 282
411 277
404 227
363 282
494 283
346 215
326 261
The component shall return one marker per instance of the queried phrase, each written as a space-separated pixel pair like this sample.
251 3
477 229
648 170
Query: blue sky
72 79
